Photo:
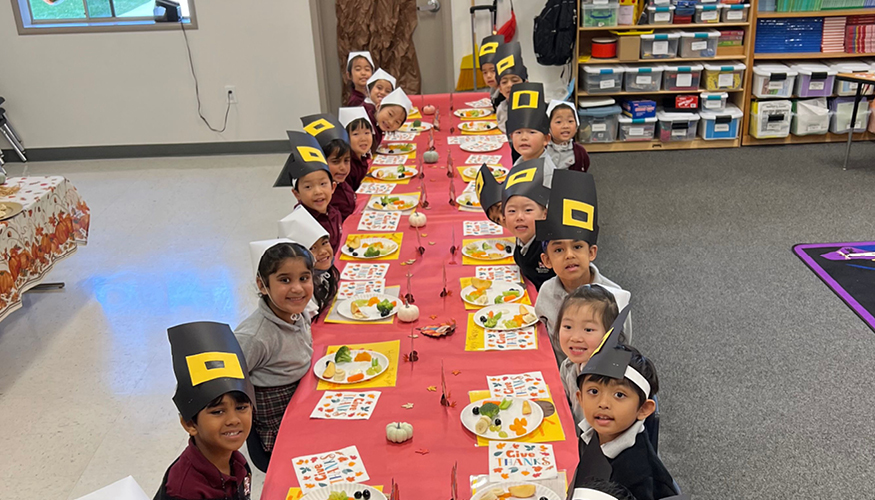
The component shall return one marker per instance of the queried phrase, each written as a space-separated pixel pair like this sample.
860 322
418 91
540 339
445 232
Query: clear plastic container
810 117
773 80
720 125
724 77
840 124
713 101
814 80
659 45
660 14
698 44
706 14
643 78
850 88
676 77
735 13
603 79
637 129
770 119
596 16
599 119
677 126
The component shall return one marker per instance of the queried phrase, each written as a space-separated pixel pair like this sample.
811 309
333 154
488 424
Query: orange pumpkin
6 282
14 267
24 259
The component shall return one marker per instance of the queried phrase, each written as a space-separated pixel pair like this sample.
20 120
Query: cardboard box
629 48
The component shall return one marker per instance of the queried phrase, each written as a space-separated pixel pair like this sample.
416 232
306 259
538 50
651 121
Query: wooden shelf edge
660 61
818 13
582 93
606 147
811 55
749 140
664 26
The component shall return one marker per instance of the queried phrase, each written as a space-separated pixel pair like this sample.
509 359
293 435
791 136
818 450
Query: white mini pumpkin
408 313
398 432
417 219
431 156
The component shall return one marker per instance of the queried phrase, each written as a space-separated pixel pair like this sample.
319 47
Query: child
565 153
600 489
380 84
359 67
301 227
486 58
569 234
390 115
489 193
583 320
307 173
214 397
528 127
276 337
334 141
361 137
523 201
510 69
616 390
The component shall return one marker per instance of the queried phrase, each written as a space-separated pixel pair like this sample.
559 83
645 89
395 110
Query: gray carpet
766 376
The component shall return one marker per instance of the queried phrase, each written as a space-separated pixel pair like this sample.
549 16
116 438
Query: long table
437 428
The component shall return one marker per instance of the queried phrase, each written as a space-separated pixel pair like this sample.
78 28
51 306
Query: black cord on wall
197 91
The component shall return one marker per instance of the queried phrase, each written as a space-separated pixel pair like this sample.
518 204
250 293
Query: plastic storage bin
735 13
699 44
599 118
814 80
603 79
770 119
718 125
713 101
810 117
659 45
643 78
676 77
660 14
773 80
840 110
637 129
677 126
850 88
723 77
596 16
706 14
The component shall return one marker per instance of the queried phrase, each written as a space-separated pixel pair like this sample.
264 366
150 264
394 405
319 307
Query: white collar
621 443
525 248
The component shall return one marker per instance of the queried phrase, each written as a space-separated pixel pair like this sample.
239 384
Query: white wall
526 11
104 89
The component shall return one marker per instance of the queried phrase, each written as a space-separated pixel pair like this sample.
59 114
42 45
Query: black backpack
556 32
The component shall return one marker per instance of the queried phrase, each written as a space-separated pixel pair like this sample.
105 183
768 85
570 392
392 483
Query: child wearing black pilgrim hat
511 71
359 67
569 235
334 141
523 201
563 150
486 58
528 126
489 193
214 397
307 173
380 84
361 137
389 115
616 391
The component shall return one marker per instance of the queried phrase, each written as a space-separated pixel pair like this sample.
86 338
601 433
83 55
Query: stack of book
793 34
860 35
833 35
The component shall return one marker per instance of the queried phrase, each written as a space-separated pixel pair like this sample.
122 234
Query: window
58 16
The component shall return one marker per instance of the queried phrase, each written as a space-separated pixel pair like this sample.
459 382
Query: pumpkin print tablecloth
53 222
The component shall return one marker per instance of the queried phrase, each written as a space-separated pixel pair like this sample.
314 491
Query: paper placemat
549 431
499 273
335 317
467 282
378 220
371 186
476 159
323 469
346 405
521 461
400 136
346 289
358 271
386 379
481 228
524 339
468 261
518 385
396 237
297 494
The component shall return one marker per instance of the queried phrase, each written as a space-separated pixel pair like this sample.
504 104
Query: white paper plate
480 112
478 126
392 173
540 490
533 420
508 312
480 146
344 307
411 199
389 247
498 171
349 489
493 253
320 365
393 148
494 291
408 127
468 199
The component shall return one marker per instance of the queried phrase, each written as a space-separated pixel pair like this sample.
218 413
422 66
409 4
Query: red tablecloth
436 428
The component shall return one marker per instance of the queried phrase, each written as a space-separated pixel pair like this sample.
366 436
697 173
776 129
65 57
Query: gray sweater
277 353
569 372
550 298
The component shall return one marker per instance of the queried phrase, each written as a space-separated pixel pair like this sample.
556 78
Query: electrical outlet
231 93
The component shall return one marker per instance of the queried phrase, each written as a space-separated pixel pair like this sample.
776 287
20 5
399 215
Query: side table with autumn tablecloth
53 222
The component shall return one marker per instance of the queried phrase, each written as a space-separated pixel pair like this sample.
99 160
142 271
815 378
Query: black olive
351 249
366 494
468 203
355 254
358 494
476 410
507 249
497 421
384 314
543 498
483 319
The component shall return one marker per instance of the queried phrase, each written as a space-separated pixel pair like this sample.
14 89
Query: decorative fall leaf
431 242
433 316
422 451
424 235
408 406
432 388
456 372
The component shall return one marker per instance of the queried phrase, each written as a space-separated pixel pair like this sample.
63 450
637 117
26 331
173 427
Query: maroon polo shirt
378 133
358 169
356 98
194 477
332 222
581 158
343 199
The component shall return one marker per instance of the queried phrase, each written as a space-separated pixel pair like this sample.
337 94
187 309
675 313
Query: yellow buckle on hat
208 366
478 185
533 95
507 62
526 175
310 154
488 48
318 126
569 207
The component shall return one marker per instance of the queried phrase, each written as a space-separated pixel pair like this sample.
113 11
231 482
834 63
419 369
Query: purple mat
848 269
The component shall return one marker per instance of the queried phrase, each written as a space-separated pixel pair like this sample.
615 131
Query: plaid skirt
270 406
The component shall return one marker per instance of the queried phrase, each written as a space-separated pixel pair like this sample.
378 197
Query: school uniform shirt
550 298
193 477
343 200
549 166
569 371
497 97
501 117
356 98
634 462
277 353
332 222
378 132
568 156
358 169
528 258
